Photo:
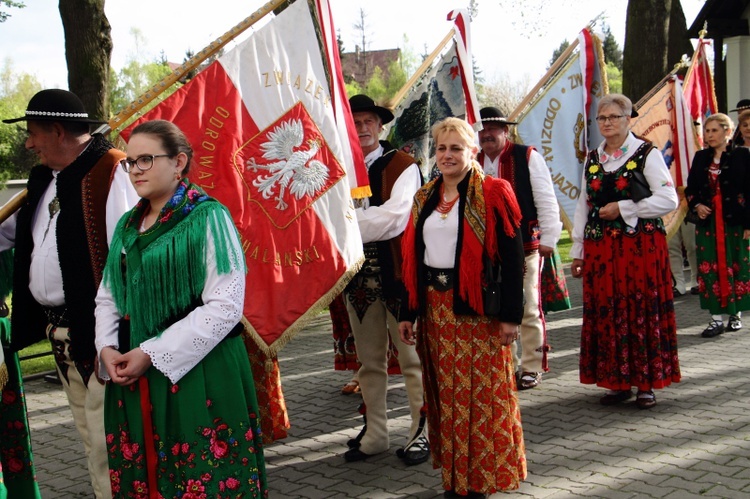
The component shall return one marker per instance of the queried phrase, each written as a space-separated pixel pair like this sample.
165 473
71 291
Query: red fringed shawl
486 198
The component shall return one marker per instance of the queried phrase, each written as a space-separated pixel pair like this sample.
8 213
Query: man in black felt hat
739 139
372 297
529 175
61 233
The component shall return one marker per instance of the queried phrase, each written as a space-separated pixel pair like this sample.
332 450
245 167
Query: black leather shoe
417 453
353 455
695 290
469 495
714 328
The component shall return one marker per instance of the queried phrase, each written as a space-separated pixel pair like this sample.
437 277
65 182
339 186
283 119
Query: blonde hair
722 119
619 100
461 127
743 116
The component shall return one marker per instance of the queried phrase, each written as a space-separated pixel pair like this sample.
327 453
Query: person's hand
508 333
132 365
96 371
576 268
610 211
746 234
111 359
703 211
546 251
407 331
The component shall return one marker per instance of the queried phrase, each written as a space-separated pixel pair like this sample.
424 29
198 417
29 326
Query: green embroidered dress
181 285
17 475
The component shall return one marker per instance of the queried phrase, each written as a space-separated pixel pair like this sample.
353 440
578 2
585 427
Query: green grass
564 245
40 364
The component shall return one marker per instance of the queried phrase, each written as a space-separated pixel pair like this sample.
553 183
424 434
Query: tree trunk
679 43
88 50
646 41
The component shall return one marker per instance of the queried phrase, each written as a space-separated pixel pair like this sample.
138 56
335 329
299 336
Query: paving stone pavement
694 443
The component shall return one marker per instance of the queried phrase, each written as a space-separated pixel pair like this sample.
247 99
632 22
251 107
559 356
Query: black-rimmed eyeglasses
143 163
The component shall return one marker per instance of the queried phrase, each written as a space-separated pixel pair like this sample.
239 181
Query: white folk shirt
384 222
545 201
45 275
663 197
186 342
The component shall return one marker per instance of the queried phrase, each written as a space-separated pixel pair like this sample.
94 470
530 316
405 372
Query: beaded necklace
444 207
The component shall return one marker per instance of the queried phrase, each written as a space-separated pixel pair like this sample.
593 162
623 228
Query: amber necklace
444 207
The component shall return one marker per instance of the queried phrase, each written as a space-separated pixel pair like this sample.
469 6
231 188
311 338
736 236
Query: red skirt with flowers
474 421
629 334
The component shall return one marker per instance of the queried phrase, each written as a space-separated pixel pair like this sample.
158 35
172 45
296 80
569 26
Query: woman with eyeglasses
717 192
629 336
181 415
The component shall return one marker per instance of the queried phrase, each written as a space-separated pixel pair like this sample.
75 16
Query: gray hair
619 100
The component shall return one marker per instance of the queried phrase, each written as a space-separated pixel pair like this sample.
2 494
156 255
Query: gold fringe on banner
303 320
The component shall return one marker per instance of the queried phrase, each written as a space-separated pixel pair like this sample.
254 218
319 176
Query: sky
508 43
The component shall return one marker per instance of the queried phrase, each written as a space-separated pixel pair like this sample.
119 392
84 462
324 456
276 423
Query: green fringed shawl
162 272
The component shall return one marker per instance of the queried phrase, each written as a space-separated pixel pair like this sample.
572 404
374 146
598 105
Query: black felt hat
742 105
55 105
362 103
494 114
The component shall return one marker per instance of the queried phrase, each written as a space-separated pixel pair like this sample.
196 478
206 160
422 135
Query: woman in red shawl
460 222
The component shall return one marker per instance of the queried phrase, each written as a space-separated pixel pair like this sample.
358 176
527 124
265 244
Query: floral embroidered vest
607 187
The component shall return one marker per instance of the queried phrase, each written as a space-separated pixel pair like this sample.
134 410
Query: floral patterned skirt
629 334
473 416
205 439
737 266
17 476
555 295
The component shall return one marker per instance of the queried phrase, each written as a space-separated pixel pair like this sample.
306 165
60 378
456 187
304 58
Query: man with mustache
527 172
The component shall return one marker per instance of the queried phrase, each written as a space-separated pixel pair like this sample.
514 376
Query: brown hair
172 138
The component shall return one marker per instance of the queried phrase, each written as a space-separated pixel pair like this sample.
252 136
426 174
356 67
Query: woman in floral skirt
180 409
718 190
629 335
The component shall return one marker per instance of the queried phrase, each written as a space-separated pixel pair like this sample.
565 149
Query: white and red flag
461 27
270 125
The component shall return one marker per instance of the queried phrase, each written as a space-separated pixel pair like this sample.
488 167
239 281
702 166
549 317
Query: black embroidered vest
82 189
514 168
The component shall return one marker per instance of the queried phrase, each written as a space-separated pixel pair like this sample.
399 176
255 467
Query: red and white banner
699 87
465 63
270 133
664 120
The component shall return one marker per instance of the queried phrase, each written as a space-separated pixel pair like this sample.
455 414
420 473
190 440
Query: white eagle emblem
291 168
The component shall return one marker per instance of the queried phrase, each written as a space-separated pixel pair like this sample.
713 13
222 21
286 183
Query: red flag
698 88
270 138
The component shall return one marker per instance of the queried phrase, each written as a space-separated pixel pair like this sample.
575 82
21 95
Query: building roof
724 19
359 65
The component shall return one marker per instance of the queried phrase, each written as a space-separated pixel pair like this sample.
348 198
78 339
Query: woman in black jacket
718 192
463 223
